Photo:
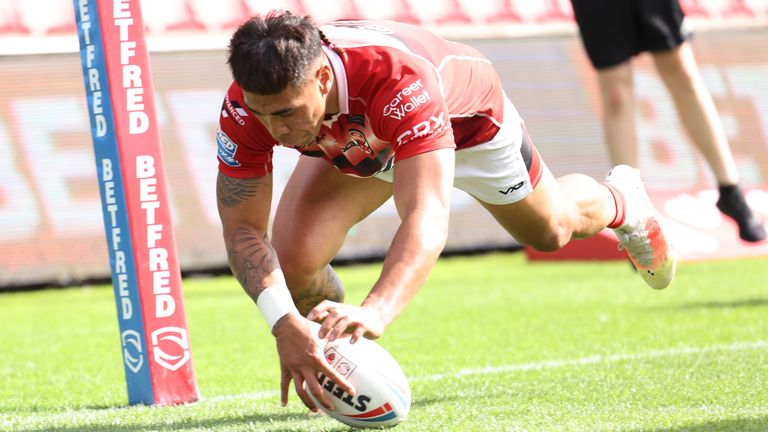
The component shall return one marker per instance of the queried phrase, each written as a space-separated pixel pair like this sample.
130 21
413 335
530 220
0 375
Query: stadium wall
50 220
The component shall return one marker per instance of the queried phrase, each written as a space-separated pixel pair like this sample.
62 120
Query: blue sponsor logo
227 149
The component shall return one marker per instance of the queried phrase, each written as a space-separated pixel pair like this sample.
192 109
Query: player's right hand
302 359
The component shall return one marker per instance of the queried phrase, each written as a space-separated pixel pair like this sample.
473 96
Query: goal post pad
137 217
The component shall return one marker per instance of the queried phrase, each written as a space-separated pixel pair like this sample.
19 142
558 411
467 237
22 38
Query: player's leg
577 206
317 208
509 178
617 98
698 114
557 211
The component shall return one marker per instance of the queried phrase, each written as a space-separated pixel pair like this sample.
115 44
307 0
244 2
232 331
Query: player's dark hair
267 54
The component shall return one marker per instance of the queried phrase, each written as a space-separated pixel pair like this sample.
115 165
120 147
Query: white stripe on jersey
373 38
461 58
341 79
370 37
477 114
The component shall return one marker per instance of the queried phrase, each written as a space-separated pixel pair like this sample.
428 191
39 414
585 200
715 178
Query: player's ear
325 78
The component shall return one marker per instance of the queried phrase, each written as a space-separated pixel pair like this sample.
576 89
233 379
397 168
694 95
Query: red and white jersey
402 91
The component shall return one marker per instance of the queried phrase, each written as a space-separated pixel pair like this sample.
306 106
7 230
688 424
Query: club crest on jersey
227 149
357 139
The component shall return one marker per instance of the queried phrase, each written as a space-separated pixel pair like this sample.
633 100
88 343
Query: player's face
294 116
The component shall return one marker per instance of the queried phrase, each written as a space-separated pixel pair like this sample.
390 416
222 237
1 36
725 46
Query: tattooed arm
244 207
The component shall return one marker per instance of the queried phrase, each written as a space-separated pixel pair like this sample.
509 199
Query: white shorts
503 170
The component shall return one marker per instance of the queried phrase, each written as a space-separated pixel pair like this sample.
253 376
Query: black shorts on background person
613 31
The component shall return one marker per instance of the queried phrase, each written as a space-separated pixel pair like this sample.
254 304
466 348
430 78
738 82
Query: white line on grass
596 359
93 415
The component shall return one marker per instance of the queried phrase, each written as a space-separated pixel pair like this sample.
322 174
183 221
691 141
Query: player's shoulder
381 35
233 107
379 49
234 115
239 126
391 45
354 31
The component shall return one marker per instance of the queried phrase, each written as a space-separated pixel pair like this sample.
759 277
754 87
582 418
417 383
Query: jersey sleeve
409 110
245 147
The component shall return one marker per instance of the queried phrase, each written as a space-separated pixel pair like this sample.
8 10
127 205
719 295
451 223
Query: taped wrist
275 301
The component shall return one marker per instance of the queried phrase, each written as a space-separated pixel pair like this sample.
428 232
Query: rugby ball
383 396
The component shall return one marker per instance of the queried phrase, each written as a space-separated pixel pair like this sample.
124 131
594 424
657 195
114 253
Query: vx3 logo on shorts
512 188
172 339
132 343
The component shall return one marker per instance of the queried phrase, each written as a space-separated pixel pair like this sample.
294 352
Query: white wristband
275 301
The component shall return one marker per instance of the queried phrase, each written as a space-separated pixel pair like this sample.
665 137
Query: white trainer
641 234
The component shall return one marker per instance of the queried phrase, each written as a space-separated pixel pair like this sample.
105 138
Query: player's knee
296 257
299 275
553 239
299 267
308 293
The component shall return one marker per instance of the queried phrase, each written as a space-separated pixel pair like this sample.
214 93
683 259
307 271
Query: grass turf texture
490 343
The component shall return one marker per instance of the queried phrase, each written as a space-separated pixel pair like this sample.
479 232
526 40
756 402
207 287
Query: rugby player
380 109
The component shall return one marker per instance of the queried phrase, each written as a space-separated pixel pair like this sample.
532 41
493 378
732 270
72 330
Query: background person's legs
696 109
698 114
617 95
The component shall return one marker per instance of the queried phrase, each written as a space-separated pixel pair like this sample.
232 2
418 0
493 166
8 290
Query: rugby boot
641 234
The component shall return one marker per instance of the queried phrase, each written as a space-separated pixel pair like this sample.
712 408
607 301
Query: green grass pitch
491 343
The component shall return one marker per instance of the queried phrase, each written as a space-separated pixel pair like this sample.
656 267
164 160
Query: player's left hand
339 318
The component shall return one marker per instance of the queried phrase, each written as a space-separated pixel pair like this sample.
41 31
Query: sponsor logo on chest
407 100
